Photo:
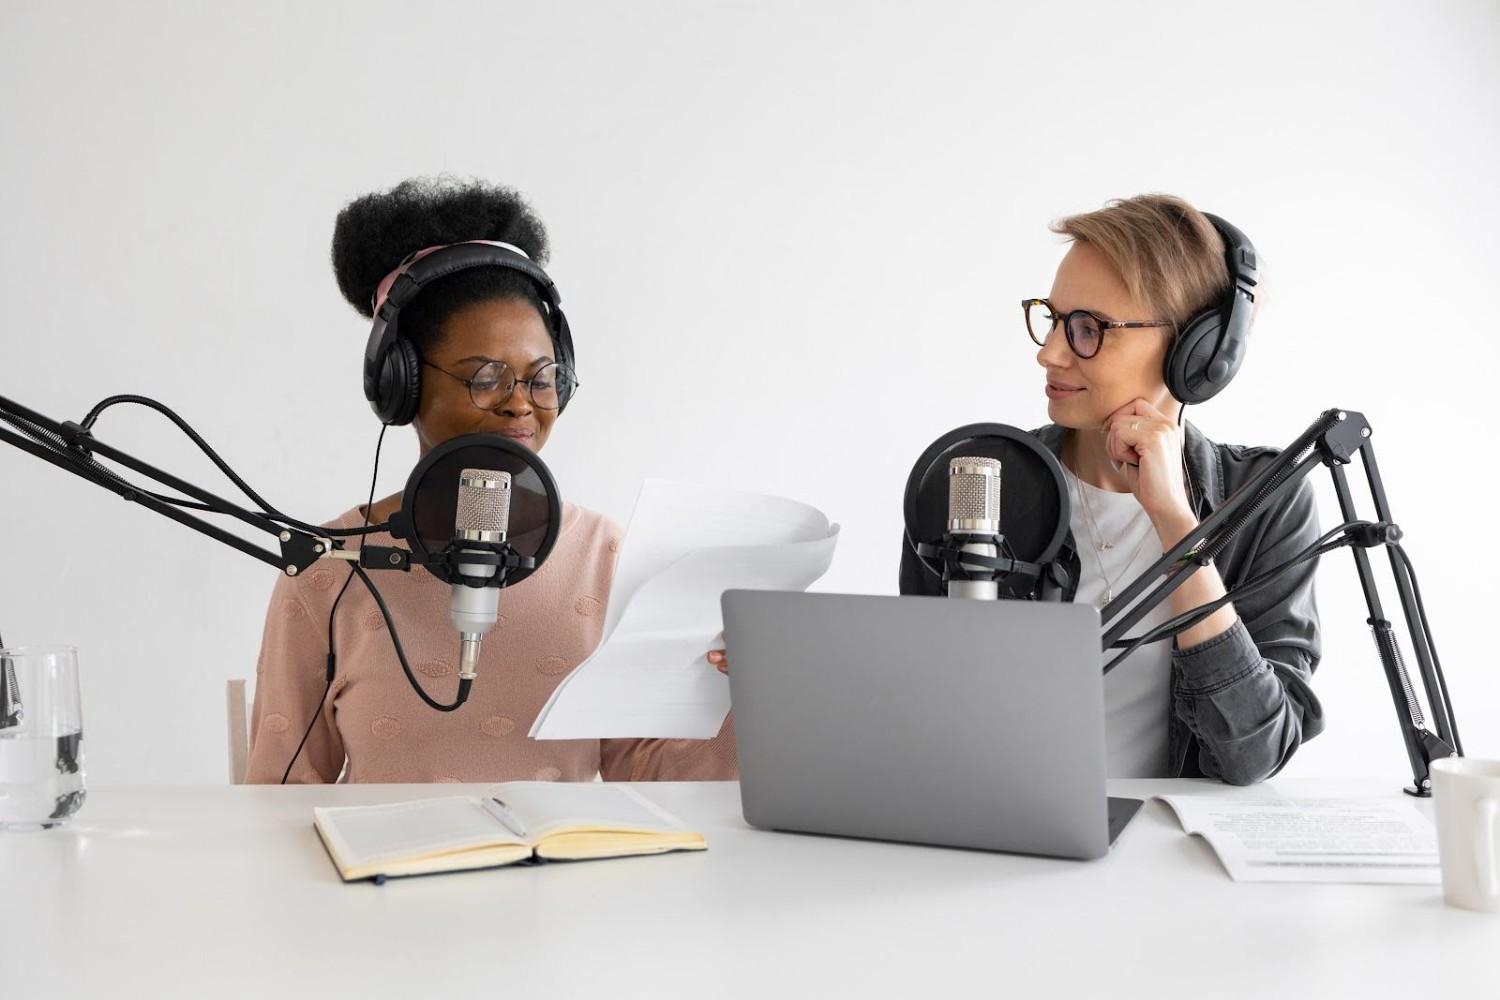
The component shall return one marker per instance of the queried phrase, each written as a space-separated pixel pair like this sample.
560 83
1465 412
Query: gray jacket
1241 702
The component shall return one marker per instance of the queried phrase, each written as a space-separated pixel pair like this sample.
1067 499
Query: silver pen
503 813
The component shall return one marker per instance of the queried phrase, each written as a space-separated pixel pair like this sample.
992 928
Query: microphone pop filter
427 520
1034 506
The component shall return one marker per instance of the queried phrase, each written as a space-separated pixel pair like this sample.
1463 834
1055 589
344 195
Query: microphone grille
483 502
974 494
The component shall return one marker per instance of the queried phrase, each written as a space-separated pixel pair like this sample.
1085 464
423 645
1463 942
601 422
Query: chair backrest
239 731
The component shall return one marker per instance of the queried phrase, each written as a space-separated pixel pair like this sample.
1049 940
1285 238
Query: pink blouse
373 727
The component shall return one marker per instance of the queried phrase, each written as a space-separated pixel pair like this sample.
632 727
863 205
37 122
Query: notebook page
546 807
374 834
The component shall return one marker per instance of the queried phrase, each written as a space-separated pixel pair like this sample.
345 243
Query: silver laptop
928 720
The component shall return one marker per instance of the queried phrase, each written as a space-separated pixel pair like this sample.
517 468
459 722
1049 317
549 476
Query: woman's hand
719 658
1148 444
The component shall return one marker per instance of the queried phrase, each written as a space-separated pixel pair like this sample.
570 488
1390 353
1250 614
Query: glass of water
41 737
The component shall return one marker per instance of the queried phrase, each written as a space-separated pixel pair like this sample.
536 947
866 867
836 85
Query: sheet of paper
1314 840
685 545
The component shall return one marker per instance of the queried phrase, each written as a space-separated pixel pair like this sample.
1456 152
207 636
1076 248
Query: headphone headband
1244 275
383 289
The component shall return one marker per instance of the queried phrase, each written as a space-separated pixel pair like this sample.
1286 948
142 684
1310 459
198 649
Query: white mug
1467 796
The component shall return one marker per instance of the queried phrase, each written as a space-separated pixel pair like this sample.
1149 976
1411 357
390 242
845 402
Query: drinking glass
41 737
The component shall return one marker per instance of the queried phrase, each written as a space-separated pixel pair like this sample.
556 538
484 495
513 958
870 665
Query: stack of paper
685 546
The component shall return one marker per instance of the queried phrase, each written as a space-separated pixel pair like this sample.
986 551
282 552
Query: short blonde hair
1168 253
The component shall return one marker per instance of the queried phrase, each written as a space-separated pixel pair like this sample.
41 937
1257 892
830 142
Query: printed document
685 545
1314 840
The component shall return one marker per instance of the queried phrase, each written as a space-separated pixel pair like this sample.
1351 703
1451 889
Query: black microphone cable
355 569
1181 623
1365 534
332 655
464 683
86 425
89 467
1194 498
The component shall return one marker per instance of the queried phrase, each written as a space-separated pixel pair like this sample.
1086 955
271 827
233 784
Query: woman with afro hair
480 330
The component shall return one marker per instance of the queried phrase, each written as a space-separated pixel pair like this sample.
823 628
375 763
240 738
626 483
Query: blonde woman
1229 698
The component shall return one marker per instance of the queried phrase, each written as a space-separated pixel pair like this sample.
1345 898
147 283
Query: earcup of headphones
400 387
1189 364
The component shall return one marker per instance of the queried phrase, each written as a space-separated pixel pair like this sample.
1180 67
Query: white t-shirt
1115 547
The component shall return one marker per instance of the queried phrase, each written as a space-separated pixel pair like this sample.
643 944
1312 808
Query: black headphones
1209 350
393 369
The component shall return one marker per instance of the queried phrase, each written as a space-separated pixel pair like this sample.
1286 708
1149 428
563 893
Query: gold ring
1135 425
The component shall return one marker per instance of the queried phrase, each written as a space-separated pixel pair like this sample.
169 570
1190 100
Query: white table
226 892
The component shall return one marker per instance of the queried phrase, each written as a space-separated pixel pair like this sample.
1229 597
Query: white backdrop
791 239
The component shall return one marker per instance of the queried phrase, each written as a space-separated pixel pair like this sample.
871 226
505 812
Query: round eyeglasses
1084 330
549 387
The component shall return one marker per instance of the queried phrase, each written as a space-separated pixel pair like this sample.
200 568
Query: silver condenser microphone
973 510
483 516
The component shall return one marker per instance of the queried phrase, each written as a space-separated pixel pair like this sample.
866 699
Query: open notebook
509 823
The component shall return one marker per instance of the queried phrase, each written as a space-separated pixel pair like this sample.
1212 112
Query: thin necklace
1100 545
